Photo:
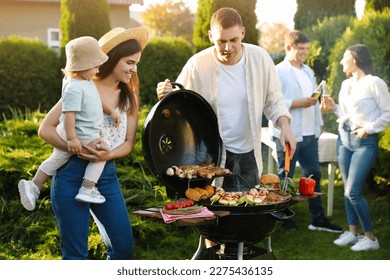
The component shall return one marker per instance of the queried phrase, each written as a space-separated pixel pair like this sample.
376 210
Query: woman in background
363 112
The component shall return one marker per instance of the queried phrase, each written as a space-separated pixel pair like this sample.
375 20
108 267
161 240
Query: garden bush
30 75
163 58
323 37
373 31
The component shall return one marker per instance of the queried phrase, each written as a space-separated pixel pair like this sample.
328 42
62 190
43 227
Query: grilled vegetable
290 186
223 201
203 193
259 198
249 199
307 186
215 198
181 203
233 202
241 200
210 189
193 194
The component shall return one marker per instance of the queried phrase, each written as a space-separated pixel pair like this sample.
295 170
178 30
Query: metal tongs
286 166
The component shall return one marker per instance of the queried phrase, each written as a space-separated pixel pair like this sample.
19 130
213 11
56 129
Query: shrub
323 36
373 31
21 150
76 19
382 166
163 58
30 75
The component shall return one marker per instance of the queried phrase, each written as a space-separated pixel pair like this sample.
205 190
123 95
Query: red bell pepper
307 186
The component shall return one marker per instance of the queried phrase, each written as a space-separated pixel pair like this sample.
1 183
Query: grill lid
181 129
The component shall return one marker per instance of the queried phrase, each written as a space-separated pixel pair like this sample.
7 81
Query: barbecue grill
182 129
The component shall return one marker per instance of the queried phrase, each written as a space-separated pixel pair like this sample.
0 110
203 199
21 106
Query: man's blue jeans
73 217
356 157
307 156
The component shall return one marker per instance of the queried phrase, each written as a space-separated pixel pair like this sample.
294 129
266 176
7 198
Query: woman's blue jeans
73 217
356 157
307 156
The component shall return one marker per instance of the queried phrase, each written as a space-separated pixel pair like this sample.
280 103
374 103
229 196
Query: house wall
32 19
119 16
28 19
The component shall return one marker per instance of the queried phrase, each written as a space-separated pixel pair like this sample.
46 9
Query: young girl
80 123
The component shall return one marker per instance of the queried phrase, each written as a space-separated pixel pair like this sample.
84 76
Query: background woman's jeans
307 156
73 217
356 157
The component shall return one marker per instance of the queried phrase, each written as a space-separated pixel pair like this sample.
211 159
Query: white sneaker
90 195
366 243
347 238
29 193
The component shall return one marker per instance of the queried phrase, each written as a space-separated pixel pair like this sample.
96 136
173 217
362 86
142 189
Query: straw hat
119 35
83 53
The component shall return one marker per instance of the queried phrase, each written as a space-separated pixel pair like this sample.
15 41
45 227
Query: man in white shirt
298 84
239 81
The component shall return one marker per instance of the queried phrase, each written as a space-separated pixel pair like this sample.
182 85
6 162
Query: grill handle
284 215
180 86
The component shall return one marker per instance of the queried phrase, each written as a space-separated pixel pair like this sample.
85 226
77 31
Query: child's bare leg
88 183
40 178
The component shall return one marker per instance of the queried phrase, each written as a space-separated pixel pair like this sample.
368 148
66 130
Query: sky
267 11
270 11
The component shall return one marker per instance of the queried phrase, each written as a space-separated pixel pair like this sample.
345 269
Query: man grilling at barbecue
240 83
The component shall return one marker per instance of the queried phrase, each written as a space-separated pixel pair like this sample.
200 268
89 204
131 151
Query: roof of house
113 2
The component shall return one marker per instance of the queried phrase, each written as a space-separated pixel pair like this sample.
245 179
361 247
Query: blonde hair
225 18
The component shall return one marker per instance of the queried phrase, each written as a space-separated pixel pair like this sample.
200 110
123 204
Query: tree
377 5
170 19
246 9
206 8
323 37
272 37
83 18
175 51
372 31
310 12
200 38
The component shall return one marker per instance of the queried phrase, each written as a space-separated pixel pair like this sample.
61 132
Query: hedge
30 75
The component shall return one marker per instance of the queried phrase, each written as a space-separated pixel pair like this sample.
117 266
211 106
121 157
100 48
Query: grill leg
268 244
240 251
199 250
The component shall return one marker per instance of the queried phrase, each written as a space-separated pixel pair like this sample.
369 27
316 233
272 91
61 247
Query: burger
270 180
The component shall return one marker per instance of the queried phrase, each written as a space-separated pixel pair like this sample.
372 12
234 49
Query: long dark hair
129 94
362 57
